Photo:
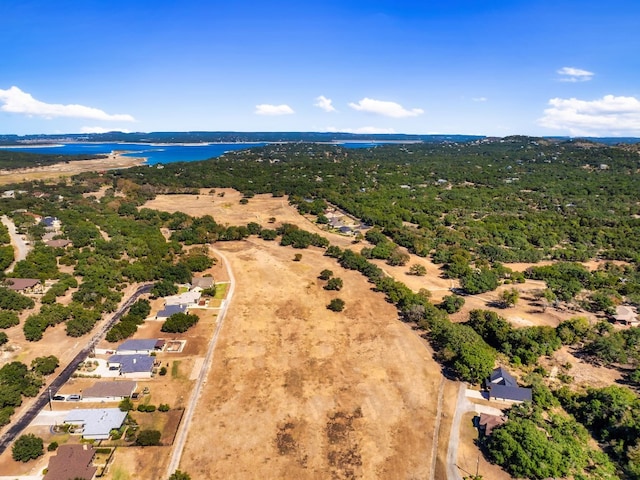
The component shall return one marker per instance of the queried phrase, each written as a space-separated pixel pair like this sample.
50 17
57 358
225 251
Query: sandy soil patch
298 391
110 162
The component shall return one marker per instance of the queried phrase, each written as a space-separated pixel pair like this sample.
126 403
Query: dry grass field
66 170
298 391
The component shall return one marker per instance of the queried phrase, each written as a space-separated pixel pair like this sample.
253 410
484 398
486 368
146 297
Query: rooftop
118 388
138 345
98 422
133 363
21 283
202 282
71 461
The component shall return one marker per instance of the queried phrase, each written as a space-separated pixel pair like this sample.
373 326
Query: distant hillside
227 137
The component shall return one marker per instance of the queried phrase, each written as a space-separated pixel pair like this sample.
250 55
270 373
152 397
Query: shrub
336 305
27 447
164 407
52 446
147 438
179 323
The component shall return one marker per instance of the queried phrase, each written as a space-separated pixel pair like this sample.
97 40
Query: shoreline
110 161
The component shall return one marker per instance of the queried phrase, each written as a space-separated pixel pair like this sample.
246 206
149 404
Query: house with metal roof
169 310
109 391
142 346
132 366
503 387
95 423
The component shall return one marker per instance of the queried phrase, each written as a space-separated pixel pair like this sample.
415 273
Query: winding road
41 401
183 429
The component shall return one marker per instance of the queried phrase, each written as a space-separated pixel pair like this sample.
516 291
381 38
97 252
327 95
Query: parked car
59 397
74 398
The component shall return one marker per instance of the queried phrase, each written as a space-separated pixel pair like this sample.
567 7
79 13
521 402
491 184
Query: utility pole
50 405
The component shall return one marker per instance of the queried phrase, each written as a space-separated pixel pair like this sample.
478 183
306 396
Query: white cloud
102 130
570 74
17 101
609 115
388 109
325 104
479 99
363 130
266 109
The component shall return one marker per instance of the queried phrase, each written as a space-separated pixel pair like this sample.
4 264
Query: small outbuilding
626 315
487 422
24 285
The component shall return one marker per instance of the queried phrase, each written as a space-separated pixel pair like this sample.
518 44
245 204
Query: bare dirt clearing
49 172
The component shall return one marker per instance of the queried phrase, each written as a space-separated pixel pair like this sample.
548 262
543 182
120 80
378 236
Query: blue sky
496 67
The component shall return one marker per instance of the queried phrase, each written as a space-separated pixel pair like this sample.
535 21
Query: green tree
148 438
3 338
336 305
417 269
45 365
509 297
179 475
334 283
27 447
325 274
179 323
451 303
125 405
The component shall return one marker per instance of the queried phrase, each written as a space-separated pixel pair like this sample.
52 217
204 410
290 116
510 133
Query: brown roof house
71 462
202 283
58 243
486 423
24 285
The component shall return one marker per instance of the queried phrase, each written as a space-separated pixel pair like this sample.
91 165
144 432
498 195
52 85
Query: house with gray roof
141 346
109 391
132 366
95 423
503 386
169 310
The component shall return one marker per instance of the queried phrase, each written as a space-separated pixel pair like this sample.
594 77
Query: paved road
20 248
183 429
30 414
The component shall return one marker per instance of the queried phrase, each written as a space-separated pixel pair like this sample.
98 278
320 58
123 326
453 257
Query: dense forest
473 207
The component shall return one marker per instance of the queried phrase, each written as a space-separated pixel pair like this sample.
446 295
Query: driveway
464 405
20 248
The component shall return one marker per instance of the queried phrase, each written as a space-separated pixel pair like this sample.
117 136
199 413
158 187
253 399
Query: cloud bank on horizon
462 67
17 101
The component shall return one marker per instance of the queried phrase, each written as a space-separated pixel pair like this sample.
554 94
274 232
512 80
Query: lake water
155 153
